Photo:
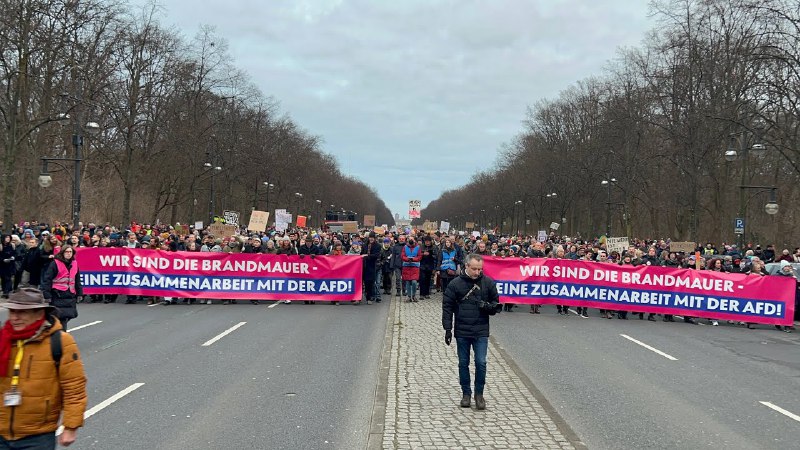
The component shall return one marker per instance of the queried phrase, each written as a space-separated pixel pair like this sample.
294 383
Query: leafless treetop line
166 107
713 76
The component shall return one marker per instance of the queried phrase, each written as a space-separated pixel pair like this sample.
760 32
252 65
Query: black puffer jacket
470 321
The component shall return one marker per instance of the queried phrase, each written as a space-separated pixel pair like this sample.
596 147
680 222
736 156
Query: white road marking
223 334
85 325
275 304
652 349
781 410
106 403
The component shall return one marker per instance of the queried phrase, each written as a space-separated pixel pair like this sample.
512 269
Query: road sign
738 225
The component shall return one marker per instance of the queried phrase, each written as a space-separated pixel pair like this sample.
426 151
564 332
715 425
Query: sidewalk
422 393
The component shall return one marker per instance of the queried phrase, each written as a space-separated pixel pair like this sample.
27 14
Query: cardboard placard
379 231
617 244
222 229
469 225
430 226
685 247
349 227
369 221
258 221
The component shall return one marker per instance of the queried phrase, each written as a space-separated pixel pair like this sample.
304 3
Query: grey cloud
390 85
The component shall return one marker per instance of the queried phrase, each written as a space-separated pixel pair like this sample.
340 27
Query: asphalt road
617 394
304 376
293 376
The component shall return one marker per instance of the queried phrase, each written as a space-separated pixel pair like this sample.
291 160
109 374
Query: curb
377 423
559 421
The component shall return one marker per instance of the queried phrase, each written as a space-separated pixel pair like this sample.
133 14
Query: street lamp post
731 155
214 171
607 183
318 213
515 228
770 208
298 196
269 186
550 197
45 180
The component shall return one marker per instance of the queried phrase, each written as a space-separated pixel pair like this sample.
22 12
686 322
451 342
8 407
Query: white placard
231 217
554 225
444 227
617 244
542 236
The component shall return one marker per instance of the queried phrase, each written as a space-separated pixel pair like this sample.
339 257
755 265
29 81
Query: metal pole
211 200
742 200
255 196
608 211
77 142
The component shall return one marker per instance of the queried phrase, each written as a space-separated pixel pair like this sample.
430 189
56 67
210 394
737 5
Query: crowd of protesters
411 262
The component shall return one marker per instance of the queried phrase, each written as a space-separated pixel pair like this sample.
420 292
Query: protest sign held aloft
617 244
231 217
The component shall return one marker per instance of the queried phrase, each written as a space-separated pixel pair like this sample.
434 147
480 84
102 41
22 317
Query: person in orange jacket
32 404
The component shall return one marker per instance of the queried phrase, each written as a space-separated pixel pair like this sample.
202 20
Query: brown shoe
465 401
480 402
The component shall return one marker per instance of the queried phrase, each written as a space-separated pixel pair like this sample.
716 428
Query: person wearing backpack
61 285
33 403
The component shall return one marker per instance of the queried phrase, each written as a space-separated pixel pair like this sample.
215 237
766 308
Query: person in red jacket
411 256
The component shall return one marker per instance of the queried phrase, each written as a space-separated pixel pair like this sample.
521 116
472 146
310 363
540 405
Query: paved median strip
786 413
223 334
652 349
106 403
71 330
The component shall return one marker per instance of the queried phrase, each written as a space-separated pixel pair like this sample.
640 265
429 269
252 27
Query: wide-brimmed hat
26 298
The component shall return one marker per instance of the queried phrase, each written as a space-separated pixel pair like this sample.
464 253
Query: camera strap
466 296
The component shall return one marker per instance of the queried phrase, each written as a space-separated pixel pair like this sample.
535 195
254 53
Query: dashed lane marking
223 334
106 403
652 349
781 410
84 326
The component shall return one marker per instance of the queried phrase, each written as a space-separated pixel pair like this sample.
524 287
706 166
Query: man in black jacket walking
472 298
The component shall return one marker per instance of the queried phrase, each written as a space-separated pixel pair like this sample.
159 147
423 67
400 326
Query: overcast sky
414 96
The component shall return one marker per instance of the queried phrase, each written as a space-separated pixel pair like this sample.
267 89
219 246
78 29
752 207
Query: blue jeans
35 442
411 288
479 345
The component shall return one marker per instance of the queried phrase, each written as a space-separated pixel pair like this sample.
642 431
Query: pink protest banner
649 289
219 275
